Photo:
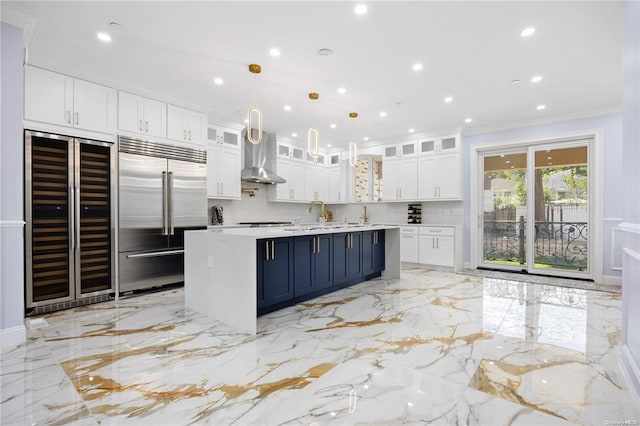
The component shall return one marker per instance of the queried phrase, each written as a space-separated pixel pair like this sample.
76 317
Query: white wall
254 209
258 208
631 227
436 213
614 192
11 188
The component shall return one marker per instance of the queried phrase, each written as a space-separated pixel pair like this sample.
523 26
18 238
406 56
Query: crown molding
13 16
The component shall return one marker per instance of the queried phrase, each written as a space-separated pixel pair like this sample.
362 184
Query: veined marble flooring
431 348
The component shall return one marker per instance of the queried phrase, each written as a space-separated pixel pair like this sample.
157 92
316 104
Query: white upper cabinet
441 144
64 101
335 191
293 189
406 149
225 137
142 115
440 169
224 163
315 178
400 179
186 126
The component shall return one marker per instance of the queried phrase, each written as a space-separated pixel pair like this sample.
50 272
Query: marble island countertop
220 266
296 230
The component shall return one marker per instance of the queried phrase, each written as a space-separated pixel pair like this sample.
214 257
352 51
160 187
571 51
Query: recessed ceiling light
360 9
541 107
508 162
274 52
417 67
329 145
366 138
515 81
333 126
294 135
513 167
502 155
287 107
104 37
448 99
325 52
382 114
548 158
551 164
218 81
536 79
468 120
411 130
342 90
527 32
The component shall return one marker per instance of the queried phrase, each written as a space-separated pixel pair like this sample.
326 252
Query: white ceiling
470 51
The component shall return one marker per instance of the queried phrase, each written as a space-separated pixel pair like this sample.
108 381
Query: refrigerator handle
76 206
72 217
165 202
172 228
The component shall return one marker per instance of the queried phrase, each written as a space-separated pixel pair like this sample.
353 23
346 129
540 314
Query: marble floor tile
430 348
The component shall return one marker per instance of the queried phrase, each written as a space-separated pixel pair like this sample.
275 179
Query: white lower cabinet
409 247
436 246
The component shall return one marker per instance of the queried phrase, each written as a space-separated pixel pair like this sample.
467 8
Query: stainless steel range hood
260 160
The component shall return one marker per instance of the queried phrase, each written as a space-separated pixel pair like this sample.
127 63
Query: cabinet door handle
68 117
338 195
146 126
221 187
273 252
318 241
189 134
184 134
77 118
433 243
437 243
313 241
140 125
266 251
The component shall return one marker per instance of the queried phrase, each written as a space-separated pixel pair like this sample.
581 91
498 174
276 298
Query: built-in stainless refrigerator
70 221
162 193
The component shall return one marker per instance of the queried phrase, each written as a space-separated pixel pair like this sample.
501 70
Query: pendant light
254 113
313 136
353 147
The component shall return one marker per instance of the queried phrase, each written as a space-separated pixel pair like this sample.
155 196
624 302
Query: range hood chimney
259 160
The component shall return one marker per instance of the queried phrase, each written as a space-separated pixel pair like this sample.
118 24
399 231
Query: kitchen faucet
322 213
365 217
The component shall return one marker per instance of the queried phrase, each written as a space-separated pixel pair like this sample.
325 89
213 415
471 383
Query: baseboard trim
12 336
612 280
631 374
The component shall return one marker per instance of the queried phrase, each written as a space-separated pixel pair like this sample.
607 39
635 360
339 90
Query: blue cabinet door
355 257
368 239
303 257
340 258
323 262
378 252
275 271
279 271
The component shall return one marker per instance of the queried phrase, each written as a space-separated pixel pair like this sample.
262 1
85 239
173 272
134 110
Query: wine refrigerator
70 221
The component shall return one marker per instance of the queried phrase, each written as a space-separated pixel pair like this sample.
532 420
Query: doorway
535 209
